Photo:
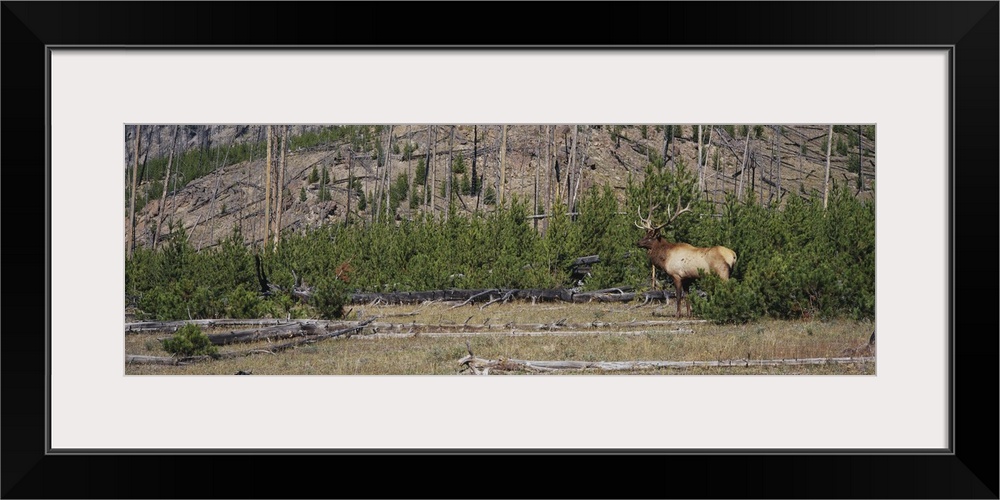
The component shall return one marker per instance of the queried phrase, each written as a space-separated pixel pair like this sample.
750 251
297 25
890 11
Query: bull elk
681 261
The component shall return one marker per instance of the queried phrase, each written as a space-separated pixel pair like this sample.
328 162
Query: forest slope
218 172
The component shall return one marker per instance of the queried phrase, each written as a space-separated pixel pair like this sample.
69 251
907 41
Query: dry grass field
432 338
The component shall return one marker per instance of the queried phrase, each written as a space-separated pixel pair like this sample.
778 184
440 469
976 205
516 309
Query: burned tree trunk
350 185
281 185
450 174
131 205
503 164
826 178
743 169
429 171
573 169
777 154
700 172
166 184
267 187
477 185
388 174
538 165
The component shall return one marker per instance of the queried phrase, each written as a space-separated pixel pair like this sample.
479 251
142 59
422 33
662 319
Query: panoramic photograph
499 249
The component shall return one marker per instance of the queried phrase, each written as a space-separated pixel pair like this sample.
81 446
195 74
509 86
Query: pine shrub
329 297
190 341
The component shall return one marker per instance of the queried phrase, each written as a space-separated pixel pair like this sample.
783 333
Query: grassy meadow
430 339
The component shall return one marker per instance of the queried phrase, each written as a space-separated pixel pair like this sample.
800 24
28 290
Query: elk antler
671 218
646 223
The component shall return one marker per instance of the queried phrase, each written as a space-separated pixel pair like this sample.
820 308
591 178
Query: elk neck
656 244
663 244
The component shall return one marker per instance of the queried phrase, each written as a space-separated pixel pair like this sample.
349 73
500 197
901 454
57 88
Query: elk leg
679 290
687 293
653 277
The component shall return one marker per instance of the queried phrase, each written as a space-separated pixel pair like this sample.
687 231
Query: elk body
681 261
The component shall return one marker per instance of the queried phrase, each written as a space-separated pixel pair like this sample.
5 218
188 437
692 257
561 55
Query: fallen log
290 330
272 328
539 293
169 360
483 366
545 295
467 297
448 295
304 328
621 289
503 298
270 349
149 360
173 326
382 327
411 313
312 339
518 333
589 259
478 294
623 294
620 297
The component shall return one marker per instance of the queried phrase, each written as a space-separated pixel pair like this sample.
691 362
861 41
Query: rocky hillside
543 163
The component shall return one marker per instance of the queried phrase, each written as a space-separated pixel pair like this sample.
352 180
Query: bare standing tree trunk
376 196
573 168
503 163
166 184
826 178
148 143
215 193
743 170
861 180
549 153
388 178
667 132
451 172
253 193
281 185
771 167
250 193
777 150
717 171
701 175
477 183
538 166
267 186
761 177
131 204
801 153
563 180
429 188
350 184
409 168
708 148
173 195
411 188
675 133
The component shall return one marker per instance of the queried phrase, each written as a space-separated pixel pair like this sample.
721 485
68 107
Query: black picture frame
969 471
